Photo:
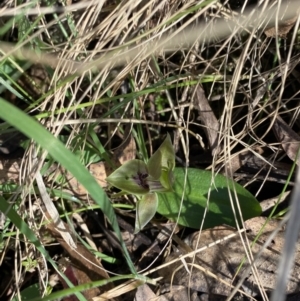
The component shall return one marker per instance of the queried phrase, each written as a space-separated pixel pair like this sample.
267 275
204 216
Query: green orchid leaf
196 196
130 177
145 210
162 159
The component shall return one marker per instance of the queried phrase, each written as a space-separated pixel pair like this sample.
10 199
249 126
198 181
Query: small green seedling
146 180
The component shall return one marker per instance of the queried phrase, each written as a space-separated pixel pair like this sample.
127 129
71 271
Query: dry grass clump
221 76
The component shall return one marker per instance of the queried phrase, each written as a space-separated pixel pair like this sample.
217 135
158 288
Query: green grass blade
16 219
69 291
67 159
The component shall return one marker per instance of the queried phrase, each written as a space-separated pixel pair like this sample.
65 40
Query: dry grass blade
53 213
166 43
45 10
119 290
119 75
51 210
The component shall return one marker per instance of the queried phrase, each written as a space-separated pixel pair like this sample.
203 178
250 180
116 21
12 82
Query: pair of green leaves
146 180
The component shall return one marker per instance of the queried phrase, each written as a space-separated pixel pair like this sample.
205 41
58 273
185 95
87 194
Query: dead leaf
224 259
84 265
179 293
239 160
208 118
290 140
144 293
268 204
126 151
253 162
9 170
101 170
98 170
284 26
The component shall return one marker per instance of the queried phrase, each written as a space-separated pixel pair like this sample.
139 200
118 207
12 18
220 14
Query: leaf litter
286 136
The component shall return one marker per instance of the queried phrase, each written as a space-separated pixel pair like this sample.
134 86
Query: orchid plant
145 180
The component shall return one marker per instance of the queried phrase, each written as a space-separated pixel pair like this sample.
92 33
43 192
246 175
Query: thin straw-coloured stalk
31 128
